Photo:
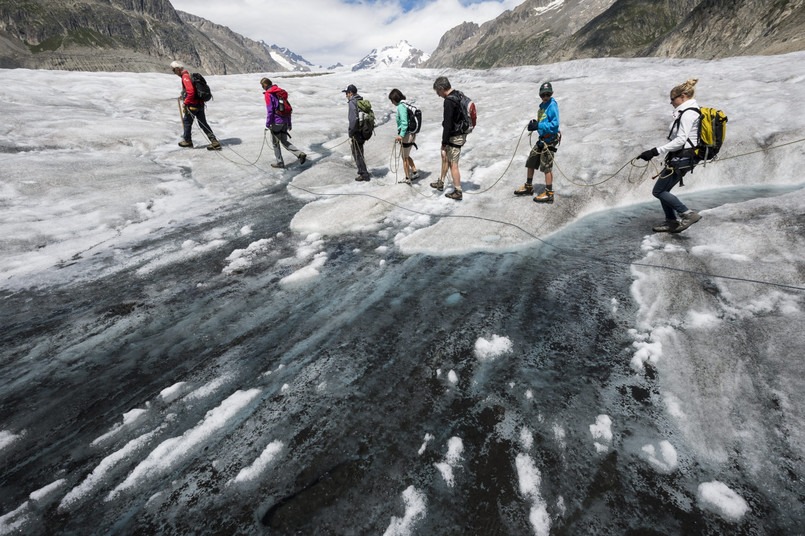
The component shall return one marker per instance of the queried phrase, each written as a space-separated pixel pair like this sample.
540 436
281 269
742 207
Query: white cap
176 64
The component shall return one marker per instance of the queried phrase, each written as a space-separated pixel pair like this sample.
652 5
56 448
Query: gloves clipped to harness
648 155
533 125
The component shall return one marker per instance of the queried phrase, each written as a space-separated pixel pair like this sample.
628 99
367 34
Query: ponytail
687 88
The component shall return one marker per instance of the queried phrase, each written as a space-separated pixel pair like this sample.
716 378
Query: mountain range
146 35
122 35
547 31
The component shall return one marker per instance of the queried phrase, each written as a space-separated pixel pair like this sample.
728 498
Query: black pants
670 176
192 111
357 154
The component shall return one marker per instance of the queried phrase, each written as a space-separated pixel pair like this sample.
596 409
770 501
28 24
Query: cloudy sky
326 32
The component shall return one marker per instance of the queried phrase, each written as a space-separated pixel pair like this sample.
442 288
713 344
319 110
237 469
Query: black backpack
202 88
414 118
469 114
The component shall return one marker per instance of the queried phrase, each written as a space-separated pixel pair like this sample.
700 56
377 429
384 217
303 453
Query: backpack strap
675 124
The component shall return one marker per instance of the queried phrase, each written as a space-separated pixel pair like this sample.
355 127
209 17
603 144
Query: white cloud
326 31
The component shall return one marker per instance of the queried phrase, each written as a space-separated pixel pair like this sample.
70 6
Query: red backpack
283 106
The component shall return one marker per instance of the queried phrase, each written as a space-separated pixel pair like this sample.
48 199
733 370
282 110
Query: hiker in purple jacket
278 122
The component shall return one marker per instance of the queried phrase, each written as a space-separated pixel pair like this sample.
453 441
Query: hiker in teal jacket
403 136
541 155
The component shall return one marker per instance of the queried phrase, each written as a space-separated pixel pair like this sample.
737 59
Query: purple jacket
272 117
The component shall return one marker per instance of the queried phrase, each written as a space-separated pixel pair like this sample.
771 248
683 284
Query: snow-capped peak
400 55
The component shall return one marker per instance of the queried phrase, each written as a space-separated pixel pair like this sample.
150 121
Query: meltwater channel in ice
199 343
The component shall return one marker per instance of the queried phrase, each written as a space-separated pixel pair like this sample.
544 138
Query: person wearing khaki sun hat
679 158
541 156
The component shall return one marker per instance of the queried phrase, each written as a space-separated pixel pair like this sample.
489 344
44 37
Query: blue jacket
548 117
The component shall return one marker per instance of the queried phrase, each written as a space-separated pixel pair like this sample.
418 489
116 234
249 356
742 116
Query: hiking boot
439 185
407 180
415 175
186 144
302 159
360 178
525 189
545 197
455 194
668 226
278 165
688 218
214 146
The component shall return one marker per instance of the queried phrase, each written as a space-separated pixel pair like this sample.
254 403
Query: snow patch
488 350
174 451
718 498
529 478
241 259
454 449
664 458
7 438
415 508
602 432
258 467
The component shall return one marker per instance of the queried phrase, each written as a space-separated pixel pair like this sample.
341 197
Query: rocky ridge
546 31
121 35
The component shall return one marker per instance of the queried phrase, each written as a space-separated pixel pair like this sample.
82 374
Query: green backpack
366 118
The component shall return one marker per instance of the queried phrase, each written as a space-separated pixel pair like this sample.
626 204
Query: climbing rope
566 251
516 147
395 154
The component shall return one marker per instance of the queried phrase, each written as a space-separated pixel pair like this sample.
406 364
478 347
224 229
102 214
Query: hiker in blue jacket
541 156
356 138
679 158
403 136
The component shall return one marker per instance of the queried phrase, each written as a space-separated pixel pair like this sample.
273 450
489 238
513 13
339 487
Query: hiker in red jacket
193 108
278 122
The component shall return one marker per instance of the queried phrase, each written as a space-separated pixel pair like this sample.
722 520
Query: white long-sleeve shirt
687 129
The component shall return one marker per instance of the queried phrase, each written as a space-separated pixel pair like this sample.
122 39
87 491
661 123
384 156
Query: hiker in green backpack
355 134
679 159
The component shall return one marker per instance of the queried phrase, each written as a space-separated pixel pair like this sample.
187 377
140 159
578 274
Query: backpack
366 118
712 130
468 112
284 107
202 88
414 118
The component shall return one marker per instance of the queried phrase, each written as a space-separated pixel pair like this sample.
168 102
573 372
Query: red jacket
189 92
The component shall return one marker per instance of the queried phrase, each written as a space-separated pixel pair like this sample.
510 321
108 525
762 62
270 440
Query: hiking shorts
542 159
407 142
452 153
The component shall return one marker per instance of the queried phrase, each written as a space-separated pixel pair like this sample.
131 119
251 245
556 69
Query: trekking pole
181 114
